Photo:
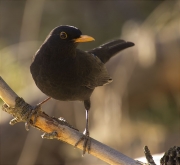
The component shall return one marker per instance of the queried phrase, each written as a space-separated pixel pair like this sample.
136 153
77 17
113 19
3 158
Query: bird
64 72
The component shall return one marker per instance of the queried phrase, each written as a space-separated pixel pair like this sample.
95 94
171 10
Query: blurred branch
64 133
148 156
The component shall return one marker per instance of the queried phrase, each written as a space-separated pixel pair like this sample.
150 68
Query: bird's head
71 34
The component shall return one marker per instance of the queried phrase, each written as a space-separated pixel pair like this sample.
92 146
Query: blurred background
140 107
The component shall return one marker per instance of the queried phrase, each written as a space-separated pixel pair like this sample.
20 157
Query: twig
64 132
171 157
148 156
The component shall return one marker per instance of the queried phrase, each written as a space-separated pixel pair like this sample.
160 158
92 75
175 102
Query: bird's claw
87 142
35 111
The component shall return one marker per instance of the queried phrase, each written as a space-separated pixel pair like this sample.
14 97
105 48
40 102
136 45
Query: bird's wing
91 70
108 50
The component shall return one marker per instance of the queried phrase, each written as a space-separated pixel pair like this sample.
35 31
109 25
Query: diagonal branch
64 132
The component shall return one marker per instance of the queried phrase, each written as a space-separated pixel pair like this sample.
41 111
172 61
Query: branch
64 132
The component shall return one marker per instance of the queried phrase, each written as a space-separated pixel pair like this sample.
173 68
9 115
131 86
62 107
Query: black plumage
63 72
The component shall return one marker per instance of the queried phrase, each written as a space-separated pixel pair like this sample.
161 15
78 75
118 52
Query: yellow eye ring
63 35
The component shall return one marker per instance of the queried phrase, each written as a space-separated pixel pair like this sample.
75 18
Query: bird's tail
108 50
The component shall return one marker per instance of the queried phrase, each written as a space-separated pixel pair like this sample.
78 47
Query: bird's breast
60 79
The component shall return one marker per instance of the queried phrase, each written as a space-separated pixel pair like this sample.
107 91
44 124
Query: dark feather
108 50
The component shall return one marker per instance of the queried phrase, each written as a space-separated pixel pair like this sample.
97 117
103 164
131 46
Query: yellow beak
84 38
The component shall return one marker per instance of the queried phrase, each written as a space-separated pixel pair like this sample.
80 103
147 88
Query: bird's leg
86 133
37 108
85 137
39 104
35 111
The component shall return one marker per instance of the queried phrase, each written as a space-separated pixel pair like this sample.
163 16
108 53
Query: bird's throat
66 51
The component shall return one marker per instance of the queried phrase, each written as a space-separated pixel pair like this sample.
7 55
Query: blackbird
63 72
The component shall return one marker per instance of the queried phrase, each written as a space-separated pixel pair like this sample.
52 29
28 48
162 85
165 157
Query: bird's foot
22 112
35 111
52 135
87 142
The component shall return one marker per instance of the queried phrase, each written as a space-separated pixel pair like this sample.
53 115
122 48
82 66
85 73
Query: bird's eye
63 35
